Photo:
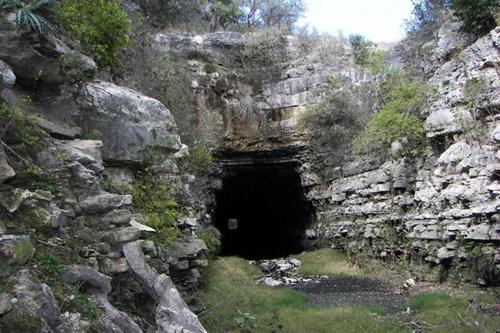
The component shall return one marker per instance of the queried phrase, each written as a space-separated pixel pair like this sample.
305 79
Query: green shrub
399 118
388 126
20 131
198 162
27 14
155 199
425 15
224 13
91 134
51 264
209 68
100 25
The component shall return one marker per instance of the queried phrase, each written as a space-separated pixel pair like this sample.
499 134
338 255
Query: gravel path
348 291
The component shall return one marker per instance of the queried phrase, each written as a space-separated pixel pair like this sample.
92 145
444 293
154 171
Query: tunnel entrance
261 210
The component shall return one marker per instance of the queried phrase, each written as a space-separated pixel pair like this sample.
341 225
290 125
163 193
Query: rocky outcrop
15 249
34 307
441 208
134 128
172 314
35 57
223 47
74 219
468 81
99 284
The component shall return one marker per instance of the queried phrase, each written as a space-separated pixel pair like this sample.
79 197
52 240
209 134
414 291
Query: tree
362 48
478 16
224 13
425 14
270 13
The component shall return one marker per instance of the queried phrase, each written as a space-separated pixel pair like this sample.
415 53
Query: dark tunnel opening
261 210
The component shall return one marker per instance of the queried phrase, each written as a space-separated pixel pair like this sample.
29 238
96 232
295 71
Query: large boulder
135 128
38 57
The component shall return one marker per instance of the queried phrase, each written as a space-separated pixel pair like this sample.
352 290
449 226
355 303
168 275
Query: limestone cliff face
62 211
258 117
440 209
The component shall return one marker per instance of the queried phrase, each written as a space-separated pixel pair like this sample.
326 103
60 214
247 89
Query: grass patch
236 304
444 313
327 262
211 236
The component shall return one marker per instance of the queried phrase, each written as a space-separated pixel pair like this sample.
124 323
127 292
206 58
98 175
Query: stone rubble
281 272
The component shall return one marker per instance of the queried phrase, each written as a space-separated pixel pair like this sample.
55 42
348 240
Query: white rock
140 226
457 152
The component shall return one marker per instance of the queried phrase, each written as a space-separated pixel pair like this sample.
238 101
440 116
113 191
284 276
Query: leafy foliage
478 16
155 198
398 119
425 14
27 14
209 68
388 126
198 162
362 49
100 25
224 13
51 264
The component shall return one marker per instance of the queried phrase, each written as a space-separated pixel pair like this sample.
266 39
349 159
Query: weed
155 198
399 118
209 68
198 162
20 131
50 264
211 236
92 134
